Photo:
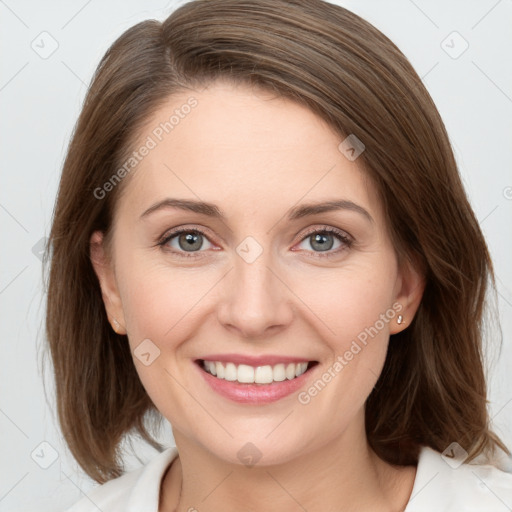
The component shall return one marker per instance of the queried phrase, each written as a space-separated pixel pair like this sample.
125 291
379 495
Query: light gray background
40 100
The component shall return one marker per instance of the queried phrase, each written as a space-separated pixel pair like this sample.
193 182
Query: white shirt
438 487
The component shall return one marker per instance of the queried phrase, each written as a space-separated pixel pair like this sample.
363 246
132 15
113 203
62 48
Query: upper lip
262 360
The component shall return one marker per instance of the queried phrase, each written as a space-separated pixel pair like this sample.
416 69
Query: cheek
355 310
160 302
348 301
163 305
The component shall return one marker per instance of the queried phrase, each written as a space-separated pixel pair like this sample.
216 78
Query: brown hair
432 390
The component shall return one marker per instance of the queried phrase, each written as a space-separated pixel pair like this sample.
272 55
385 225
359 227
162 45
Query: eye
184 241
322 241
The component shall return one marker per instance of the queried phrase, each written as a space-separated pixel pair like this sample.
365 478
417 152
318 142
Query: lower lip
254 393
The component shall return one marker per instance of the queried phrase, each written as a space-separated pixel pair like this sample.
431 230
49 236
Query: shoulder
447 484
136 490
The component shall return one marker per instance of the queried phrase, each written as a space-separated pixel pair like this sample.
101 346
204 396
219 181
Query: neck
343 475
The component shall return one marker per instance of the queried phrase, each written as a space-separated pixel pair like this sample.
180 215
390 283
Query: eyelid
185 228
327 229
174 232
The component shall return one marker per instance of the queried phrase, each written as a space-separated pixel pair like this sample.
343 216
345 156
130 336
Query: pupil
321 239
190 239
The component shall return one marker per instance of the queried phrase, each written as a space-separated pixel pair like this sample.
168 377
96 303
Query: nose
255 302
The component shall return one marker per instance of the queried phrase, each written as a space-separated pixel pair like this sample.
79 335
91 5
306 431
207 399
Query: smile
245 374
255 385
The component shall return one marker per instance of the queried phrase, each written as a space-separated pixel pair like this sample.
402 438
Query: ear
410 287
103 268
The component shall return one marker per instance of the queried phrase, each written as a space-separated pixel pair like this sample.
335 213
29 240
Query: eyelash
340 235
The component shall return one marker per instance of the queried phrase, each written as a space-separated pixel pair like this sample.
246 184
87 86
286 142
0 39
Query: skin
268 154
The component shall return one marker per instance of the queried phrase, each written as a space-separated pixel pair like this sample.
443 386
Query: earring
116 325
400 319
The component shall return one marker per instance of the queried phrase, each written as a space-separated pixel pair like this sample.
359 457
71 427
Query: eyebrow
304 210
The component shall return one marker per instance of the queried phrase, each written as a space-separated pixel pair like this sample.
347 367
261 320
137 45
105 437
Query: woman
261 236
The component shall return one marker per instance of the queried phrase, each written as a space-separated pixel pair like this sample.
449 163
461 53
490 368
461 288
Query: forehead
246 148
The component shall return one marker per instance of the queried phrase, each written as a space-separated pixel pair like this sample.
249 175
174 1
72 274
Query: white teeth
230 372
219 369
263 375
246 374
301 368
290 371
278 372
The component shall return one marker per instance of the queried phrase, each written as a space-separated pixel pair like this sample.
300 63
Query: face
261 285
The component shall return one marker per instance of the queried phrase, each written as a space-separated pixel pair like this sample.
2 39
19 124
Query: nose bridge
254 299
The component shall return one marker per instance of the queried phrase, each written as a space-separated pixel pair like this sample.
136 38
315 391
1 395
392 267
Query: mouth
263 375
